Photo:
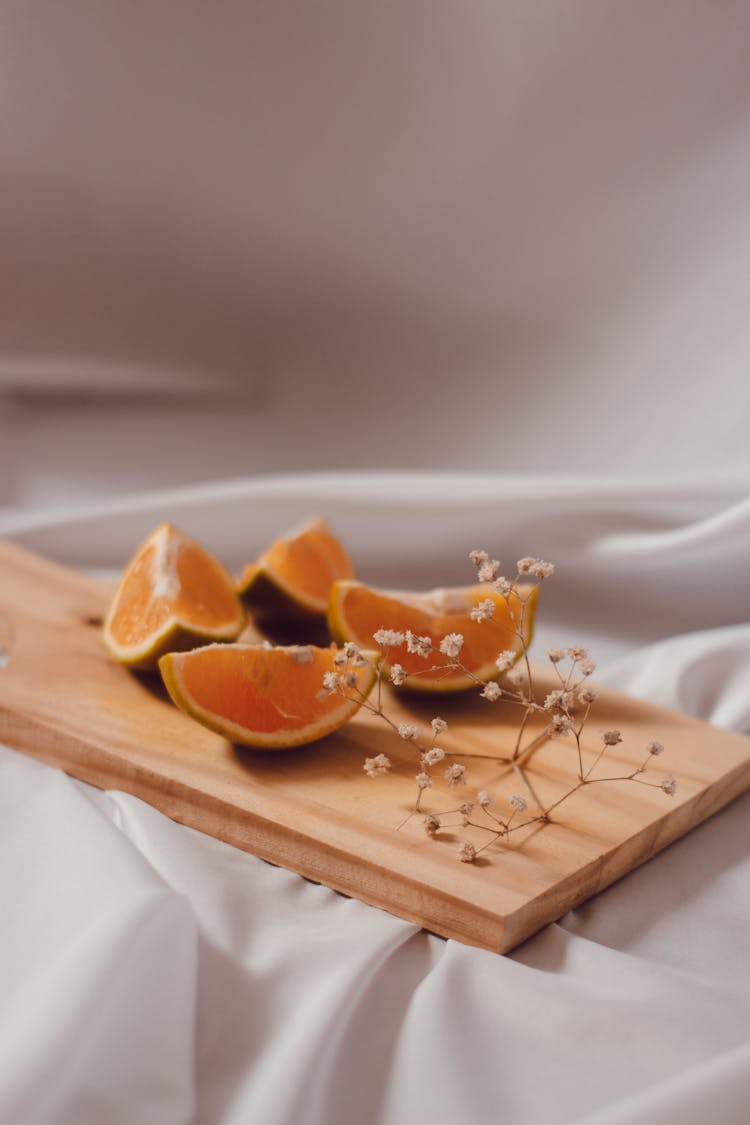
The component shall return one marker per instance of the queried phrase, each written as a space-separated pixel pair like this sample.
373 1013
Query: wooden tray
314 811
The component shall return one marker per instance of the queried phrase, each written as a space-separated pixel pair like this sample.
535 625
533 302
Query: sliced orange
270 697
173 594
357 612
290 583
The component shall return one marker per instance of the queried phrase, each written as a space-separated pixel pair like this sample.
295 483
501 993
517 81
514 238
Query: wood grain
63 701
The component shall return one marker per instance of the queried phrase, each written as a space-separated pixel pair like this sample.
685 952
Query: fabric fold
98 966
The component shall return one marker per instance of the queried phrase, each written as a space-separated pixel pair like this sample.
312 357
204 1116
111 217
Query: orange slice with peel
357 612
290 583
173 594
266 696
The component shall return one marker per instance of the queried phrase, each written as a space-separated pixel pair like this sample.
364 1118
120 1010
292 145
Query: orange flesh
138 614
200 594
305 565
363 611
206 598
262 690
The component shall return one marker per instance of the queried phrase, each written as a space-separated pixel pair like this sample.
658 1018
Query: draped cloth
150 973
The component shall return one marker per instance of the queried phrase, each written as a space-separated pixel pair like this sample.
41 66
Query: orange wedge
290 583
357 612
270 697
173 594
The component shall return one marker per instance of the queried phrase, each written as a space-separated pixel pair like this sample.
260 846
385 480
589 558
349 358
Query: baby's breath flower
455 775
420 645
487 572
303 655
397 674
506 660
517 676
542 569
408 731
559 700
340 659
560 725
560 704
378 765
483 610
450 645
331 681
388 638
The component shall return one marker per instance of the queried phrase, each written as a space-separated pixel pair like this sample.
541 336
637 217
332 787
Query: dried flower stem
566 711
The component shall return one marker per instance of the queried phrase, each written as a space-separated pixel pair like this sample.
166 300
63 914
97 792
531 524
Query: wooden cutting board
313 810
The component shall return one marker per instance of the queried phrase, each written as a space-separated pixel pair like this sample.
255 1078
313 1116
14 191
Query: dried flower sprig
564 712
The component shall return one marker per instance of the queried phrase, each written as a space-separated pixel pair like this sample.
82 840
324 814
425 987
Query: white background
506 237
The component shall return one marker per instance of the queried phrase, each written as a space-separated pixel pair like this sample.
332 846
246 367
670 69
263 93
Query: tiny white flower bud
407 731
451 644
455 775
506 660
397 675
376 766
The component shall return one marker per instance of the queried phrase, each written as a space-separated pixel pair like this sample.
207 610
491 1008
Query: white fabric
151 974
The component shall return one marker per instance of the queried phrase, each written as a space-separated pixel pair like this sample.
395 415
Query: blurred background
253 238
